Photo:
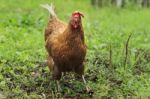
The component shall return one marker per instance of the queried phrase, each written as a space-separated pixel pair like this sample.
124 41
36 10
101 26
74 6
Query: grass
22 51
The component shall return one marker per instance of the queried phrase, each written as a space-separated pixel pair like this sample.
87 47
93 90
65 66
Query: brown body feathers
65 45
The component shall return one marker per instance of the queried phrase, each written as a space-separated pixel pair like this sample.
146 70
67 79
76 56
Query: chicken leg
87 87
56 74
58 86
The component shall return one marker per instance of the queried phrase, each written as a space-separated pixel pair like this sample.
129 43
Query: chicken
65 44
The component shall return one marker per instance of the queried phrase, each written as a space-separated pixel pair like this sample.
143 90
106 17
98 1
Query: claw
88 89
58 86
58 89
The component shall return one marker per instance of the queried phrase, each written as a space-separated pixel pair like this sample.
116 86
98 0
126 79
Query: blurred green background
107 27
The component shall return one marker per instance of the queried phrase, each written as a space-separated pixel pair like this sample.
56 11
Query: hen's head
76 19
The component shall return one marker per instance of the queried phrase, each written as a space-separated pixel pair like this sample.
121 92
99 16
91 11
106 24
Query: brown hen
65 44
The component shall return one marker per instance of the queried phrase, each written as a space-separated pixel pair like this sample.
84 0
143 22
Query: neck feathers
72 33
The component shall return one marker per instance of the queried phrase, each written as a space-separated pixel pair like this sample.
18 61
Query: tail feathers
50 9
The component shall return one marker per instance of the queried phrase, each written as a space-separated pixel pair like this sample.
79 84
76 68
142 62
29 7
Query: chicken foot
56 76
58 89
58 86
88 89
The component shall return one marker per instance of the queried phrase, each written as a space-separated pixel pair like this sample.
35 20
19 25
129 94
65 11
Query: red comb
77 13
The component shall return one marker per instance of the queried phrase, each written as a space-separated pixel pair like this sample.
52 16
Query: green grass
22 25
